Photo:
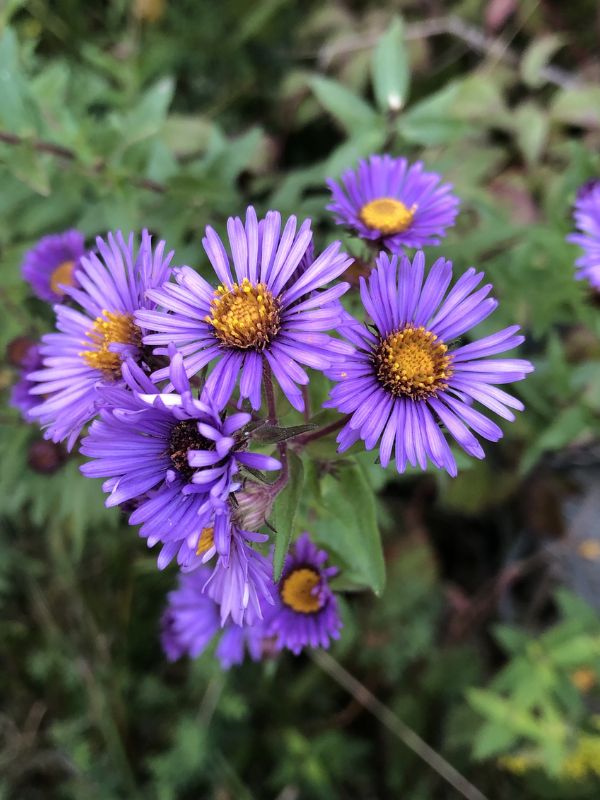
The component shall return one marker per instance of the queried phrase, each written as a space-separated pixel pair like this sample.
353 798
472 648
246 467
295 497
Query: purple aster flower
191 621
20 396
587 221
51 265
408 374
306 610
397 205
241 582
264 313
88 350
176 455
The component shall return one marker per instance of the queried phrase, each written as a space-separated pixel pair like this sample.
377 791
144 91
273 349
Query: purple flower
191 621
50 266
263 314
241 582
398 205
20 396
88 350
587 222
408 375
306 610
176 455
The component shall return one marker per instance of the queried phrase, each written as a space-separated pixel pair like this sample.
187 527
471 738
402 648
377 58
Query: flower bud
254 505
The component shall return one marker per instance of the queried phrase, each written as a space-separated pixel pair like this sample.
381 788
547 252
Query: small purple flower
408 377
387 201
192 620
587 222
264 314
306 610
176 455
51 265
88 350
20 396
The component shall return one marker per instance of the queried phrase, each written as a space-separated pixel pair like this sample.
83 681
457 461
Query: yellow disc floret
62 276
109 329
297 591
206 541
388 215
412 362
245 316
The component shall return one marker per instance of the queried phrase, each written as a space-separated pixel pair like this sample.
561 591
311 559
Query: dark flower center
185 437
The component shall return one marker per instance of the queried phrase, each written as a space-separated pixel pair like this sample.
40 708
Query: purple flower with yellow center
387 201
191 622
587 222
306 610
50 266
91 344
20 396
175 455
409 376
265 313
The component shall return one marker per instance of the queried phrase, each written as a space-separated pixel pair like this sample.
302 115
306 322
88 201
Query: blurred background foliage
173 113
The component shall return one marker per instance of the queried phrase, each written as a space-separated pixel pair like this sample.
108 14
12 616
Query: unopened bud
46 457
17 351
254 505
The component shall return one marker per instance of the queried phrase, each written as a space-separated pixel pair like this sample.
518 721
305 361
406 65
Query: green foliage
112 119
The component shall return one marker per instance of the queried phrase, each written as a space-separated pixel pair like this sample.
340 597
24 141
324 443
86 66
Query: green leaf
363 144
580 106
284 513
147 118
348 522
350 110
17 112
390 68
531 129
537 56
270 434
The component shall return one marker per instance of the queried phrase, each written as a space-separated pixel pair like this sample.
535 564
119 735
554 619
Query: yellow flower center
297 591
245 316
62 276
110 329
206 541
387 215
412 363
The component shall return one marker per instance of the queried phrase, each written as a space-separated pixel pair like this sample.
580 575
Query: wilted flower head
587 222
387 201
20 396
50 267
408 377
176 454
266 313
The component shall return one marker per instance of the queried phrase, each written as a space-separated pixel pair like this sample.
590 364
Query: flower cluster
179 380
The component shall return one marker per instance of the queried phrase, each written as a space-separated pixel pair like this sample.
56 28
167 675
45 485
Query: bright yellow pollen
110 329
387 215
412 363
297 591
245 316
62 276
206 541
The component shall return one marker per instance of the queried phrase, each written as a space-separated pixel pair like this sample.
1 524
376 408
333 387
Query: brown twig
306 438
395 725
66 154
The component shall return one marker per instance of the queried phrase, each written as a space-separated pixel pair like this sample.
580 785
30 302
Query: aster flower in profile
91 344
409 375
20 396
176 456
396 205
192 621
264 313
587 222
50 266
306 610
